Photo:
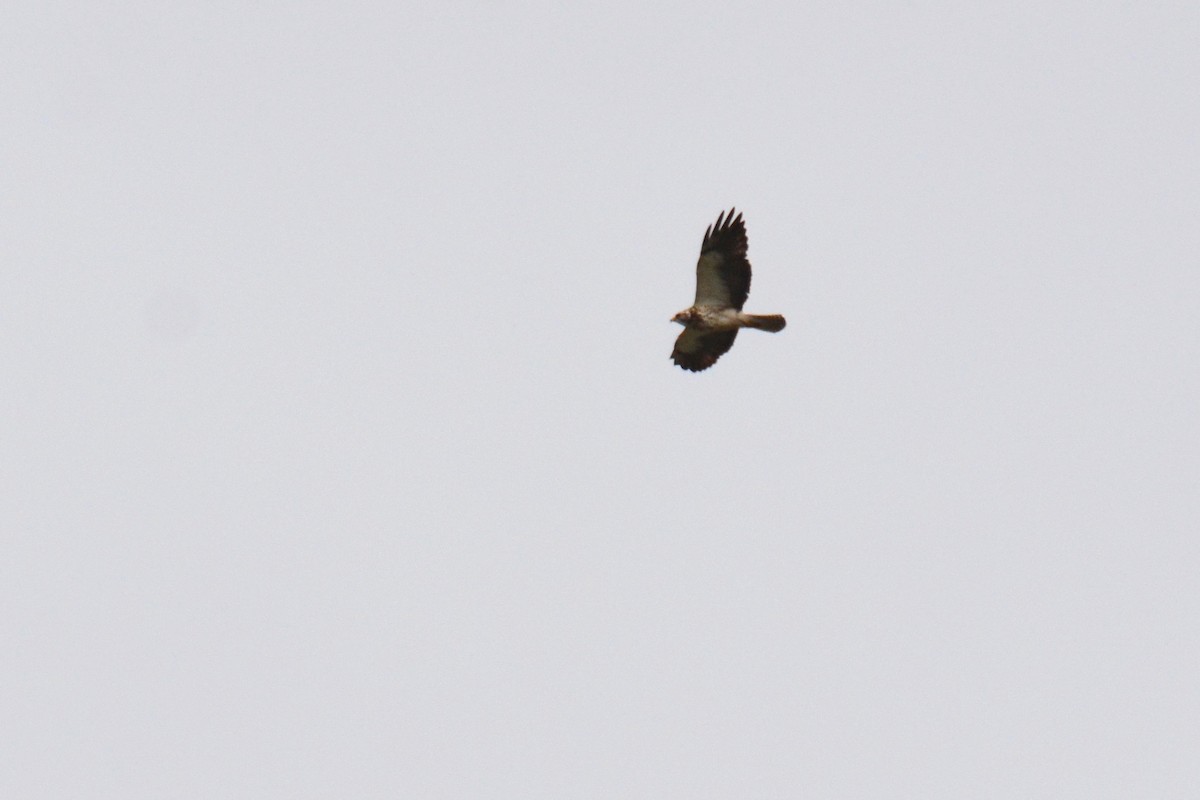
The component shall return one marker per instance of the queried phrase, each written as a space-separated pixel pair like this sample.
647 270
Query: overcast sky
342 455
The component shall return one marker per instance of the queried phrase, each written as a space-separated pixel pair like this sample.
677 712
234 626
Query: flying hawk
722 283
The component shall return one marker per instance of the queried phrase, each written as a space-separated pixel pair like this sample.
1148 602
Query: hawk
722 283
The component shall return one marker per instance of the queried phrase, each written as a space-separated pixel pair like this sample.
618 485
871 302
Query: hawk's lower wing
698 350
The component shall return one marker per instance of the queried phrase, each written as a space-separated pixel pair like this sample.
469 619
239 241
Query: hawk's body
722 284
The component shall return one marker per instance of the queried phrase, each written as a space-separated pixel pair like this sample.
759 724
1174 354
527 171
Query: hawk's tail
765 322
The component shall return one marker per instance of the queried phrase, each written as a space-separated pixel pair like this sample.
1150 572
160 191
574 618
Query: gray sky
342 455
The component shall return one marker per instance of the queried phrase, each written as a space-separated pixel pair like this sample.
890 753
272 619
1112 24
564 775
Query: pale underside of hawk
722 284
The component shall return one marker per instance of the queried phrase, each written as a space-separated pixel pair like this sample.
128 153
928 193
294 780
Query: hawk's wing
723 273
697 350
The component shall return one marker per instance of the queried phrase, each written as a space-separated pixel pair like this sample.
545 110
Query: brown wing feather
723 271
697 350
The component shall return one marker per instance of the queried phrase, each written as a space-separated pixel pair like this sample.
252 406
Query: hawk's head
683 317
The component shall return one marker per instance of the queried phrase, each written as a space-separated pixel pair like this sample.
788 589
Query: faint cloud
172 314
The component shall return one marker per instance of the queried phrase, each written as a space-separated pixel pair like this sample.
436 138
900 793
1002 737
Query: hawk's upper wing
697 350
723 273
